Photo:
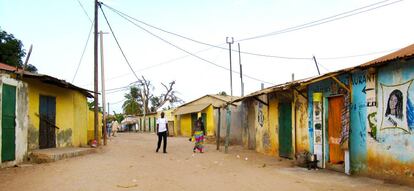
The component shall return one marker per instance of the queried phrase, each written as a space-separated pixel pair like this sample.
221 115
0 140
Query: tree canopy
12 52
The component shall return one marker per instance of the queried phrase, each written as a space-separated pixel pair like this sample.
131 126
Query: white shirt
162 124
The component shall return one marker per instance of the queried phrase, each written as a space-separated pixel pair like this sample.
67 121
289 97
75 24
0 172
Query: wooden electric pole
95 74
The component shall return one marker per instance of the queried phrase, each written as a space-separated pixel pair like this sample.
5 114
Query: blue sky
58 31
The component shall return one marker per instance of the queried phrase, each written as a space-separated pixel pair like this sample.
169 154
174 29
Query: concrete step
55 154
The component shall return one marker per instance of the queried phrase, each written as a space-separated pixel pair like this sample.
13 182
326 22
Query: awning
191 109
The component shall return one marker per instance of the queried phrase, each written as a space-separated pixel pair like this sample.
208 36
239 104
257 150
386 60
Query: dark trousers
162 135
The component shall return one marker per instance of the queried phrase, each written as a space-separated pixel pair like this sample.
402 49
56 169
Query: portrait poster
394 106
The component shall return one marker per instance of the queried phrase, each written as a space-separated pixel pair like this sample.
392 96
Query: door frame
325 130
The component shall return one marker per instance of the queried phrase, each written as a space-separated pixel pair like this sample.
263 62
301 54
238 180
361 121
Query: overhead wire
83 52
325 20
200 42
84 11
290 29
116 40
188 52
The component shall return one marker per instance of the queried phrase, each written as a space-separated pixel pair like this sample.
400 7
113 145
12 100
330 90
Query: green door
204 118
155 123
8 136
285 130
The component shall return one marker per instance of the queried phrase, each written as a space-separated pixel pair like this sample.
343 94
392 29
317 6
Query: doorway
336 154
285 129
8 124
47 116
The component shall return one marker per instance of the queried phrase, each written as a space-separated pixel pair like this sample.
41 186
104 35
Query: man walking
162 131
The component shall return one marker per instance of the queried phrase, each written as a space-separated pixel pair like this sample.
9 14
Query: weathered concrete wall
301 123
21 119
273 130
235 124
391 141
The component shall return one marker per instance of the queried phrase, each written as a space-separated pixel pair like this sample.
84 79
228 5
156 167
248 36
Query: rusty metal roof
404 53
45 79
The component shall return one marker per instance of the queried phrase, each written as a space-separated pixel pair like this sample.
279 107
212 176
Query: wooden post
95 74
228 120
218 129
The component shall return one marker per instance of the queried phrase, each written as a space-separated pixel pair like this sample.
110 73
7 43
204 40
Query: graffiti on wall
395 105
345 122
260 115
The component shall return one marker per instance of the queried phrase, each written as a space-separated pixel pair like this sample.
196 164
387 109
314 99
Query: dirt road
129 162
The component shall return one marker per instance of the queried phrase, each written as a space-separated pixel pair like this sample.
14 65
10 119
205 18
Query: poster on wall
394 103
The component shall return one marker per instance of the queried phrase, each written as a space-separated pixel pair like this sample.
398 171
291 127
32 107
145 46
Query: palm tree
133 102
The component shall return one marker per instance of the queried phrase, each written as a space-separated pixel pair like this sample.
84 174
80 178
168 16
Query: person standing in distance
162 131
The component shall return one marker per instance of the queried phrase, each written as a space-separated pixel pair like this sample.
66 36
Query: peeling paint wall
391 134
21 121
71 113
273 125
302 129
262 126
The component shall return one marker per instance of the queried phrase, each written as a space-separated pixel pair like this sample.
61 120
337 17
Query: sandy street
129 162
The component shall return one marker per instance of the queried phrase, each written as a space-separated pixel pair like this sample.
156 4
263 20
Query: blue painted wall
358 113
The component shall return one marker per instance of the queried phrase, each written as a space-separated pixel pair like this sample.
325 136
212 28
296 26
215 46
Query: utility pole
95 59
241 73
229 41
103 88
316 63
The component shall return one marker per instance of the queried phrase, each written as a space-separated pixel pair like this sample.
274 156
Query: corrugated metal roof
399 54
45 79
191 109
404 53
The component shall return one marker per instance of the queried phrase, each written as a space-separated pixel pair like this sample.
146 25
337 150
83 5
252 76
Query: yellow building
58 113
39 111
205 107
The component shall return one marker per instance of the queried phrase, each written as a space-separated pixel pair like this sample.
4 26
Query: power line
84 11
116 40
325 20
83 52
192 54
290 29
358 55
200 42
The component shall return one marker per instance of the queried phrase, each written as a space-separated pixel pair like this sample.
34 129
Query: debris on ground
127 186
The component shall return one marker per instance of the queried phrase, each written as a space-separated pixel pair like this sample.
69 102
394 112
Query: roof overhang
191 109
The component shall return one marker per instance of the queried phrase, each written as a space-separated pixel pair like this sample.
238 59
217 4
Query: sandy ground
129 162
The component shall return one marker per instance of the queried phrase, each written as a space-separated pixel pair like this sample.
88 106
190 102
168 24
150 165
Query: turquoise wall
358 113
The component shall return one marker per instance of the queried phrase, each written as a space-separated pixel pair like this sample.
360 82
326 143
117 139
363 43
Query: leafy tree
132 105
118 117
12 52
91 105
